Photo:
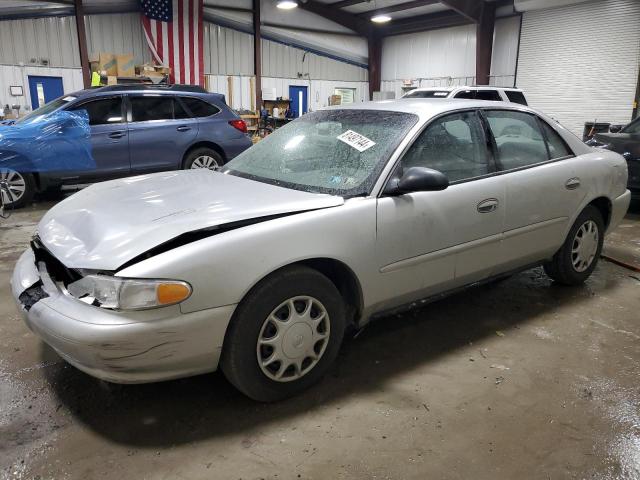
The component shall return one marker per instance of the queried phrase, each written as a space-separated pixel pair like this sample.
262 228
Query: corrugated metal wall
117 33
227 51
580 63
448 56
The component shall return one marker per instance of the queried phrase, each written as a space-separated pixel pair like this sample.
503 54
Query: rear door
109 138
431 241
543 188
160 132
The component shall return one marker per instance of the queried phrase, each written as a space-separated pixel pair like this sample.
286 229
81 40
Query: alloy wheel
205 161
13 184
585 246
293 339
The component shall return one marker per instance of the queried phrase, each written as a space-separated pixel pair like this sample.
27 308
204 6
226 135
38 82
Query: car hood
108 224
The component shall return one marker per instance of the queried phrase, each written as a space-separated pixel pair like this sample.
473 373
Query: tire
565 267
202 158
251 330
22 188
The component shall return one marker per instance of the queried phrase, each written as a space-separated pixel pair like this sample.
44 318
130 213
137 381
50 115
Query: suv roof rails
137 86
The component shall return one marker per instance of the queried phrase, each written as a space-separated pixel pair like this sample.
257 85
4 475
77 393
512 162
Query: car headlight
128 293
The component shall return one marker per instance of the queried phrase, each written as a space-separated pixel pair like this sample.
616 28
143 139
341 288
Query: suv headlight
128 293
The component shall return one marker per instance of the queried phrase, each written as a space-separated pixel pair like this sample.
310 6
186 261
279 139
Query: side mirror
615 128
417 179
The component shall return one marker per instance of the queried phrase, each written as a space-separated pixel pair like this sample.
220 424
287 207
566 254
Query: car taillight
239 124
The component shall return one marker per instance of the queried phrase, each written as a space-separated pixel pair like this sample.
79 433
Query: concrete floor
521 379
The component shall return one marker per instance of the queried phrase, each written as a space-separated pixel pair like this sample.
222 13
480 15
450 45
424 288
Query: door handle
183 128
117 134
572 183
488 205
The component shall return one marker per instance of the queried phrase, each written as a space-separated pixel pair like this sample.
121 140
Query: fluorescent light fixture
381 19
287 4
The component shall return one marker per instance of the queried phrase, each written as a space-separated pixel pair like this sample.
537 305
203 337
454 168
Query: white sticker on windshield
355 140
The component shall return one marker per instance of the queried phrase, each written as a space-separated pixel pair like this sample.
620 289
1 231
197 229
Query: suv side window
146 108
199 108
453 144
470 94
557 147
516 97
102 111
518 138
491 95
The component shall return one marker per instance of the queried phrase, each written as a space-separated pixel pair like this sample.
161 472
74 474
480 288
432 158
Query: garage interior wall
447 56
579 63
228 52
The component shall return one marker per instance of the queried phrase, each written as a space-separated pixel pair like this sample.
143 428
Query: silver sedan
345 214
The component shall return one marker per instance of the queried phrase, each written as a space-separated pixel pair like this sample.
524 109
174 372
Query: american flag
173 29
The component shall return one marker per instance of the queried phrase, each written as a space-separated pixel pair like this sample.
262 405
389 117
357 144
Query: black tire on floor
27 196
194 154
561 267
239 360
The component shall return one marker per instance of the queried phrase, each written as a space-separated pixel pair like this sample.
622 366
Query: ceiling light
287 4
381 19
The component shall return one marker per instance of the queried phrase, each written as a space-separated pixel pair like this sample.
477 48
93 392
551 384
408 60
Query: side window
199 108
103 111
466 94
518 138
516 97
633 127
454 145
491 95
557 147
144 109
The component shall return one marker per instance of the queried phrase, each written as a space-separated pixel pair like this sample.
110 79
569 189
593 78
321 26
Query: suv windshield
427 94
46 109
340 152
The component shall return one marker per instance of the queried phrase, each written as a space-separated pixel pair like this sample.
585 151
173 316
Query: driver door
429 242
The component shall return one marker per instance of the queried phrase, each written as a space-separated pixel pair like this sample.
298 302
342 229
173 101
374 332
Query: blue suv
137 129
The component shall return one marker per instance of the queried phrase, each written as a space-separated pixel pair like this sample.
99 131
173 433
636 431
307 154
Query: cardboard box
107 62
148 70
112 80
125 65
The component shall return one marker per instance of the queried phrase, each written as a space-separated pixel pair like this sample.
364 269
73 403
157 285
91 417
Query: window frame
157 95
188 110
501 170
78 106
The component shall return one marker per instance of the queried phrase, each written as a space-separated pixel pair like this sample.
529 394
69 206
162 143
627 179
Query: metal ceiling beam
345 3
470 9
424 22
347 20
398 8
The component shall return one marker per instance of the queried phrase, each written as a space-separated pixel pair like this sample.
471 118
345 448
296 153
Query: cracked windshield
340 152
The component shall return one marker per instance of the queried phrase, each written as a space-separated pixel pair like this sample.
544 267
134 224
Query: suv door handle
488 205
572 183
118 134
183 128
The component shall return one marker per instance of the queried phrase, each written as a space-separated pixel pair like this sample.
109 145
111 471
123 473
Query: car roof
138 88
463 87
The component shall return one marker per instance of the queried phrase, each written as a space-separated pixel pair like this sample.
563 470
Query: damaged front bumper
120 347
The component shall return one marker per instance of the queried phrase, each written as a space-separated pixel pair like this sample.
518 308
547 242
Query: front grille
55 268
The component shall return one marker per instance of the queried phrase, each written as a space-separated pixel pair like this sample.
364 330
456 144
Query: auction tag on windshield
355 140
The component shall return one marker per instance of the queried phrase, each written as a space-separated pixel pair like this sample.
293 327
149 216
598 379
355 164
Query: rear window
199 108
516 97
427 94
491 95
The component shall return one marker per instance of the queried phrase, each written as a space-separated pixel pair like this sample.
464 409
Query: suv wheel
17 189
203 158
579 254
285 334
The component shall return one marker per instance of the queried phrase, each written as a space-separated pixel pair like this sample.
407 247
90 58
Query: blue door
44 89
298 96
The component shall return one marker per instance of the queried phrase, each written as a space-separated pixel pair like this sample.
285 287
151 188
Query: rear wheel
17 189
203 158
579 254
284 335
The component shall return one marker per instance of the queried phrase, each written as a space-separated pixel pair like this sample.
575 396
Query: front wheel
17 189
285 334
578 256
